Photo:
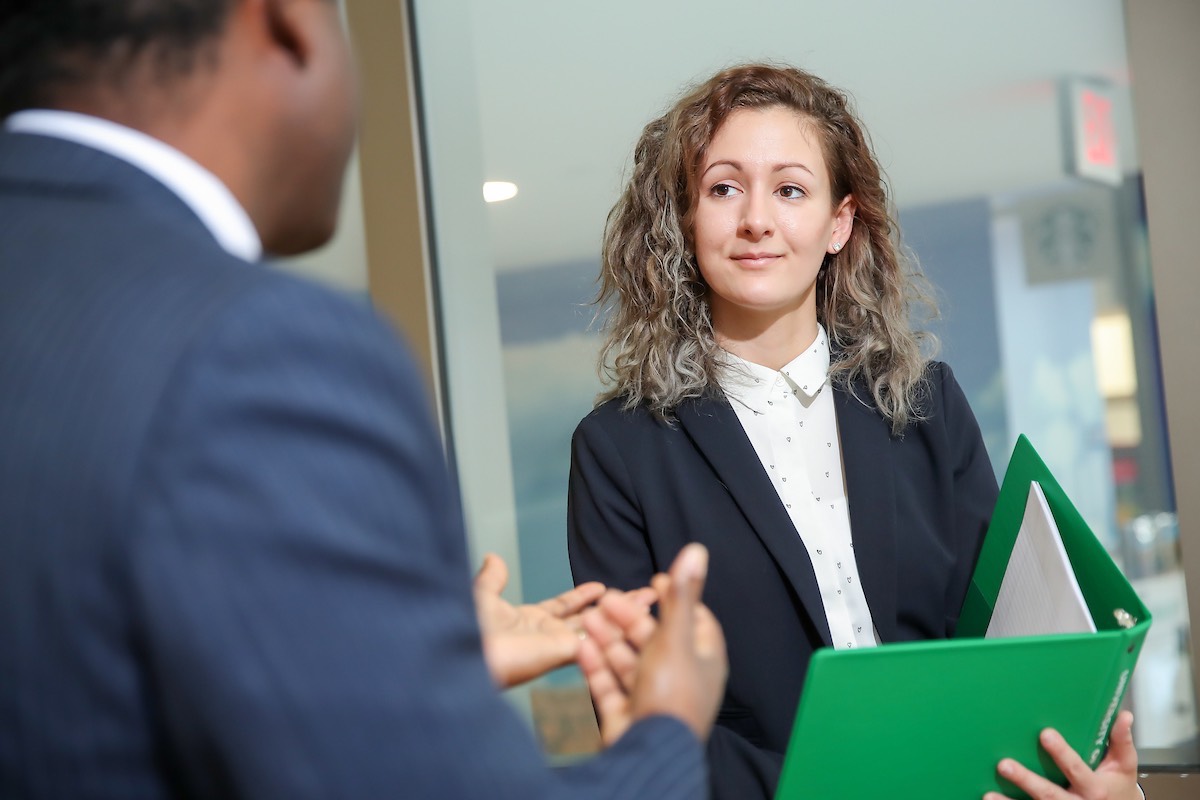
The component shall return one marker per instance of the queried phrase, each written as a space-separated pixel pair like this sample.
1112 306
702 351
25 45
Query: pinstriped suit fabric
231 563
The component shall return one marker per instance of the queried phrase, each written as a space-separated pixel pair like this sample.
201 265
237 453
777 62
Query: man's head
260 92
55 47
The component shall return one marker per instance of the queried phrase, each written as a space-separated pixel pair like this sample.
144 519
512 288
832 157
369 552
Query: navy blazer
231 562
641 488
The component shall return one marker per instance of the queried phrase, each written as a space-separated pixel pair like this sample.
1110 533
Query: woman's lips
755 259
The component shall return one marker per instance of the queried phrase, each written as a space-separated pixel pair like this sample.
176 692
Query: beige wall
398 274
1165 62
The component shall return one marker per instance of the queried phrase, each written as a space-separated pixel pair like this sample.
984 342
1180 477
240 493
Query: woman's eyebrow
723 162
738 166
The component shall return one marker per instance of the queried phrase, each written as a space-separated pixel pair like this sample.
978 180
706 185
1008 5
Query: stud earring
837 246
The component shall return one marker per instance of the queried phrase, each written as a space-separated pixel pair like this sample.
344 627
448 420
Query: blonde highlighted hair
659 346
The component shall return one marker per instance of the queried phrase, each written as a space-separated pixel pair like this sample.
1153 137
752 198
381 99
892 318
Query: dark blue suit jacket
919 505
231 562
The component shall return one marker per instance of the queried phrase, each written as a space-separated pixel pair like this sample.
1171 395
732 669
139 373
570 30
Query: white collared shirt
198 188
790 419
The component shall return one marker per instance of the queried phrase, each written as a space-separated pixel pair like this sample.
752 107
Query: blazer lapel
871 494
713 426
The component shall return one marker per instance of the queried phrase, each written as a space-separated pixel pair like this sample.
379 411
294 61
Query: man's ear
285 24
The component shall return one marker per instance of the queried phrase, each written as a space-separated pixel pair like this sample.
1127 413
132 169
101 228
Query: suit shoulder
612 417
937 371
943 386
305 321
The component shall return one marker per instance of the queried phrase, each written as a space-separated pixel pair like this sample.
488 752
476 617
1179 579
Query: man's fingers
614 643
602 682
630 616
492 576
574 600
599 628
610 700
595 669
646 596
660 584
623 661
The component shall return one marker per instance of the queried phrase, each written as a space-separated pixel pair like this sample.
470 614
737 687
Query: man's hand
618 628
523 642
1114 779
637 669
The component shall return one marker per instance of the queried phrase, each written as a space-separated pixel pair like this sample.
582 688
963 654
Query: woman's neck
766 342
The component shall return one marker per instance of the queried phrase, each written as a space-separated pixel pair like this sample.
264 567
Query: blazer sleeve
975 487
608 541
298 568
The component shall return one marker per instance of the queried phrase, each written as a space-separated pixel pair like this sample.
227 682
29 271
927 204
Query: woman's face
764 221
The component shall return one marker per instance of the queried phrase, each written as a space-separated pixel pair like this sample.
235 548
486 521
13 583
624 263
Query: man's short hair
47 46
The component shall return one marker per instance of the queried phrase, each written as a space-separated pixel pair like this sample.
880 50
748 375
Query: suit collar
871 494
713 426
53 164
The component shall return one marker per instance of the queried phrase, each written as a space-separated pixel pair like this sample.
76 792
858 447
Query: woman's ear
843 223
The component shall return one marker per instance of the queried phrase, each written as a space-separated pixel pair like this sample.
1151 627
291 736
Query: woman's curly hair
660 348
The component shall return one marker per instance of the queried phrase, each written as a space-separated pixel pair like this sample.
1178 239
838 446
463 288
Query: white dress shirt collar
198 188
750 384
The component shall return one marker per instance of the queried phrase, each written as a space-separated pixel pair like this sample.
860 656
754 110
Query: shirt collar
199 189
750 384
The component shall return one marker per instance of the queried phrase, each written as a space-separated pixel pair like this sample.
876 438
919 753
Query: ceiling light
495 191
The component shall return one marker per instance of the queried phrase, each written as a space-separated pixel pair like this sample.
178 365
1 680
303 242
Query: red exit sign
1090 131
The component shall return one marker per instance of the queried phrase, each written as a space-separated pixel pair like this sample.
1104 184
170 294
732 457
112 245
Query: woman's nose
756 216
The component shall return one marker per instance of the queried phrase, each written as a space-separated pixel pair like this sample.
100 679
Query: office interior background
1014 134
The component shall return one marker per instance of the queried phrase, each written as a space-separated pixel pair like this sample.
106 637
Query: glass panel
1047 313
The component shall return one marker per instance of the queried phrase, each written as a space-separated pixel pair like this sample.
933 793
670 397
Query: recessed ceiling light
495 191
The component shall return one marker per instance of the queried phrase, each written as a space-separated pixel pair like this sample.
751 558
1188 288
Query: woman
770 399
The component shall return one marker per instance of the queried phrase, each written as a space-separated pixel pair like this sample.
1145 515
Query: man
231 564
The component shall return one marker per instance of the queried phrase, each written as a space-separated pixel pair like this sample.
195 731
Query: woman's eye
723 190
790 192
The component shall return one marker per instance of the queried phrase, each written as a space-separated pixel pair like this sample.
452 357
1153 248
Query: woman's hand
1114 779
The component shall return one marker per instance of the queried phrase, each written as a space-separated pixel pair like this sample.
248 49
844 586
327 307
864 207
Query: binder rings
933 719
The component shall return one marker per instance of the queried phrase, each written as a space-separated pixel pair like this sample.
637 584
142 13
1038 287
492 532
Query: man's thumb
687 584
